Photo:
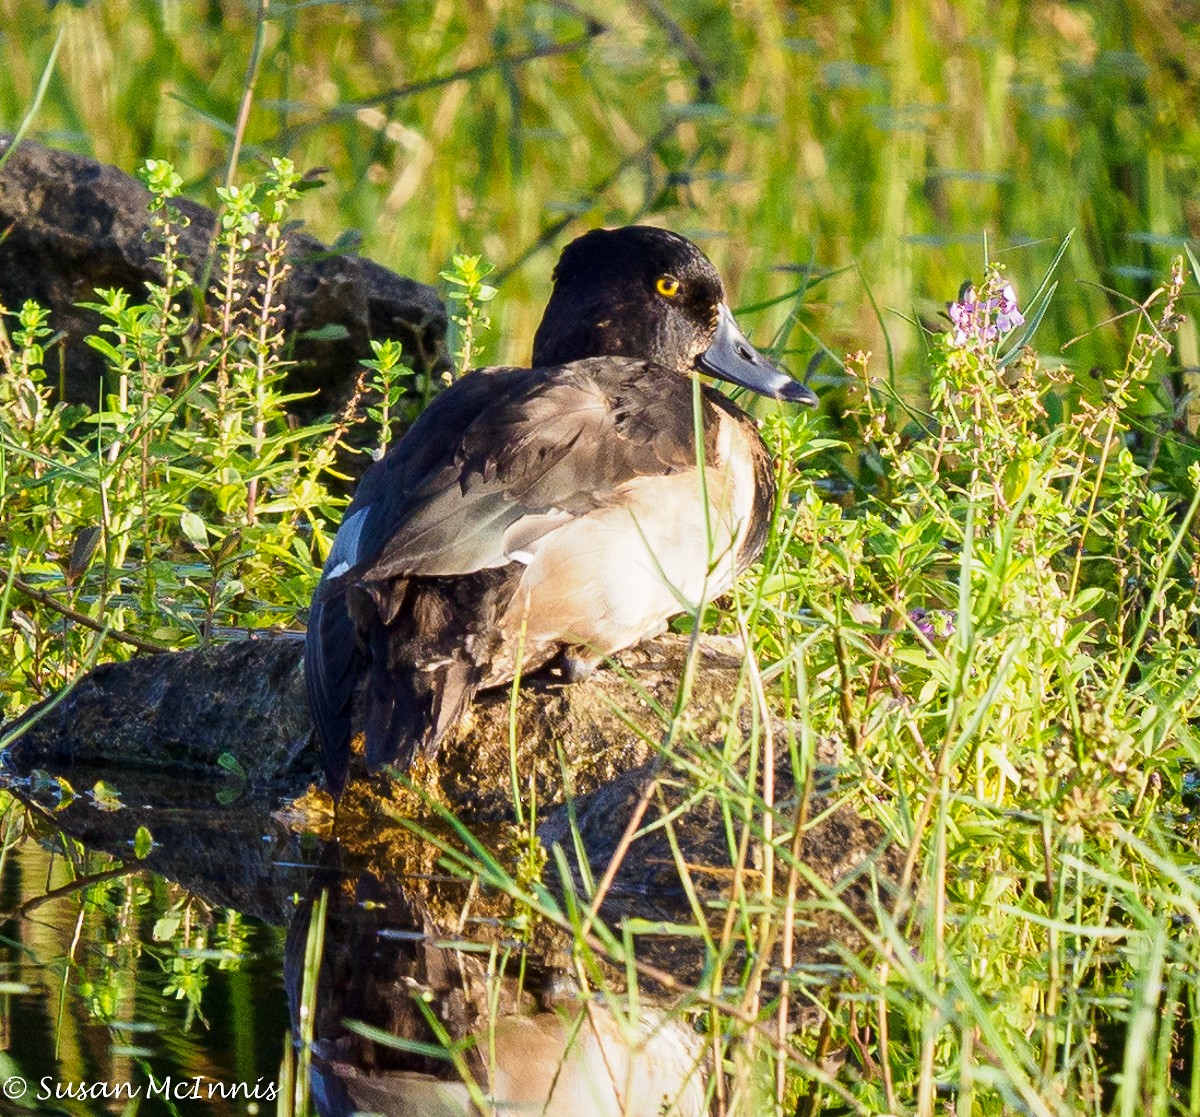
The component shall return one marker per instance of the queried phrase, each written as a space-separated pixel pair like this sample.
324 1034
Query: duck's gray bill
731 357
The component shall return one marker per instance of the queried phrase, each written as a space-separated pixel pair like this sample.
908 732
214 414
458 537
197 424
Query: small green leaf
228 547
104 347
193 529
105 797
42 782
143 843
333 331
1089 598
166 926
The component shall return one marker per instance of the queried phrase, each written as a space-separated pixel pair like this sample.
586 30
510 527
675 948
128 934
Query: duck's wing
498 460
507 455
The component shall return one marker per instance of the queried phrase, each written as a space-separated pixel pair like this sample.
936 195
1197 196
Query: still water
124 993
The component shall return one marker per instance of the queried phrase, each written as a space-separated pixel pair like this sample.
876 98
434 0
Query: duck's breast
659 546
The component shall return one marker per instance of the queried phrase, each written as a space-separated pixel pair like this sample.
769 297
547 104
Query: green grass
988 606
786 140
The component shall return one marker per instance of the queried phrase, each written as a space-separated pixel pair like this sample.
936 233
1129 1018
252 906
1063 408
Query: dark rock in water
179 713
580 736
587 753
182 711
70 225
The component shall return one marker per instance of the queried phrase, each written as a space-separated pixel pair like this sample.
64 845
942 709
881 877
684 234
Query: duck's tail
412 708
331 668
430 643
401 659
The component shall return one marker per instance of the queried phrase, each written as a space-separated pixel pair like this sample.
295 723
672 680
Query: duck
578 1059
549 515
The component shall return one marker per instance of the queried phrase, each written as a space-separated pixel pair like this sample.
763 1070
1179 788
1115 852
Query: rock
69 225
584 752
179 713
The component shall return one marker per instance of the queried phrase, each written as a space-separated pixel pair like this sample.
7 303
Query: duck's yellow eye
667 286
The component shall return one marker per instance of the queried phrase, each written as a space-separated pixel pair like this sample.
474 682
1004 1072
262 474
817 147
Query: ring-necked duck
563 510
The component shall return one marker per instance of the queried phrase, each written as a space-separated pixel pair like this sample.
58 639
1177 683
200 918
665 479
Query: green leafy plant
187 501
391 382
466 277
1008 616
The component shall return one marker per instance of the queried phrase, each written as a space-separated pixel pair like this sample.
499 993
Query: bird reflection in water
506 1045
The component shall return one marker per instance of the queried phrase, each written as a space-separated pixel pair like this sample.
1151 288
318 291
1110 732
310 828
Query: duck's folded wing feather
507 456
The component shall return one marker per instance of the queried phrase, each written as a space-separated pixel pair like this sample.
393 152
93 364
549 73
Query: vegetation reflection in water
126 993
408 922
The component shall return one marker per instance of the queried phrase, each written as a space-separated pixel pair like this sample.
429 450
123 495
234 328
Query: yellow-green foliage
188 502
1000 629
809 137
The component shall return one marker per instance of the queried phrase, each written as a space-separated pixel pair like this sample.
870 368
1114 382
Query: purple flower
933 624
983 321
1008 316
970 318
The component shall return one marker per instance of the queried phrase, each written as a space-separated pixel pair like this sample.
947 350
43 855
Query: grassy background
882 139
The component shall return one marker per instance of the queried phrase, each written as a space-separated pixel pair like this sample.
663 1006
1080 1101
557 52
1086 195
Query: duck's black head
650 293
